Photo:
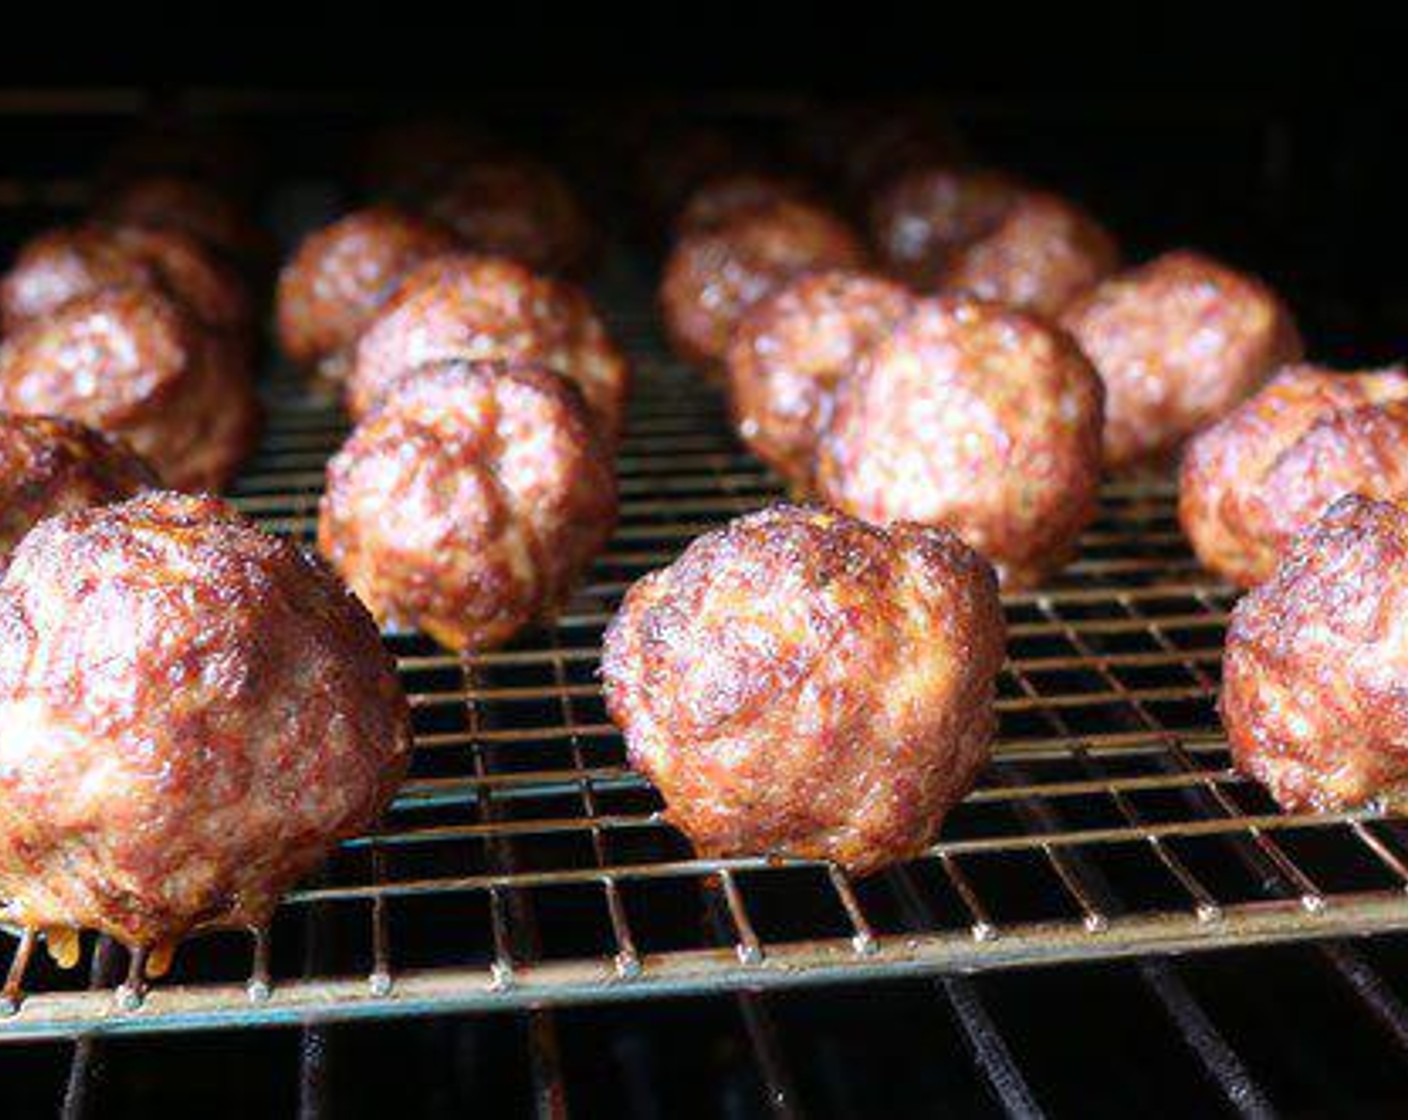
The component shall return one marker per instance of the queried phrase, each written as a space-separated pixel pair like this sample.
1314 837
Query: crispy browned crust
136 364
720 198
714 275
480 308
194 208
343 273
1313 698
1179 342
62 264
1268 469
470 501
194 715
978 417
789 353
521 209
801 683
49 465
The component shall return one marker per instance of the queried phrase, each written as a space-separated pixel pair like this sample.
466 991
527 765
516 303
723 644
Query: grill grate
523 863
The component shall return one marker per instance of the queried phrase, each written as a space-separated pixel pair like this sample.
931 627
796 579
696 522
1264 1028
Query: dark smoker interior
1272 139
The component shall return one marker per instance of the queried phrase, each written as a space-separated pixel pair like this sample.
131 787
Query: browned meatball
469 502
723 197
195 209
1179 342
978 417
59 265
340 277
983 233
1266 471
480 308
50 466
1313 696
518 209
791 351
714 275
672 167
134 363
194 715
800 683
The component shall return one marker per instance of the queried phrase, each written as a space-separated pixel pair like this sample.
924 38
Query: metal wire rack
524 865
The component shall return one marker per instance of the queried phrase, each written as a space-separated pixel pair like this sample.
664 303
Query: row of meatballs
195 712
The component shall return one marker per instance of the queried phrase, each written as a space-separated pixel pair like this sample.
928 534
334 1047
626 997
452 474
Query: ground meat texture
922 219
340 277
791 351
62 264
469 503
723 197
195 209
714 275
482 308
50 466
194 715
1267 470
518 209
136 364
801 684
977 417
1313 699
1179 342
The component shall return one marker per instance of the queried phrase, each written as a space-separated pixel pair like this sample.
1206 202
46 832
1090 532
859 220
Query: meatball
1313 697
1179 342
490 308
409 160
1266 471
714 275
134 363
59 265
469 502
181 770
49 466
195 209
723 197
341 275
791 351
983 233
519 209
803 684
672 167
974 416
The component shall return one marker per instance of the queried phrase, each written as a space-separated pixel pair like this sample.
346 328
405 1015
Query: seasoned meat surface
1313 698
723 197
342 274
790 353
469 501
1179 342
136 364
480 308
715 274
1271 467
192 207
799 683
50 466
977 417
194 715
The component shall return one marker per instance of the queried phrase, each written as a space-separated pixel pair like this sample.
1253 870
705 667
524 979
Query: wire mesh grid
523 864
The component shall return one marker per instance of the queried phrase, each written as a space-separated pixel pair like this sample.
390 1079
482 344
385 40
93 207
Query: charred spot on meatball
469 502
977 417
1267 470
790 353
1178 342
799 683
194 715
714 275
1312 696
